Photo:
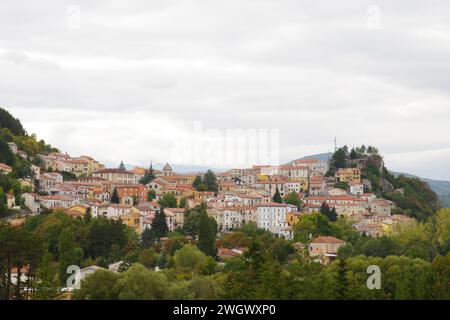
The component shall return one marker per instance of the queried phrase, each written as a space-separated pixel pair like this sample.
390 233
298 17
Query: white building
272 216
32 202
356 189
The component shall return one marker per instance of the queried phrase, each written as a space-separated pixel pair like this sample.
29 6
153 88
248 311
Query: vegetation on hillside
11 130
416 199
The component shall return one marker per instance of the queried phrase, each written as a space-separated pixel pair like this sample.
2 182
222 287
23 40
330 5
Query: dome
167 167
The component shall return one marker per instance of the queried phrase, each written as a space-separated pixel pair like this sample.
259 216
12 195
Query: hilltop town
272 197
213 235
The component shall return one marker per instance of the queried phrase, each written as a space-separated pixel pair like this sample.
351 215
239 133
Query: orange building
132 190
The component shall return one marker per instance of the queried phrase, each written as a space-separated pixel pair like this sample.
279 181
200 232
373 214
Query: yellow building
133 220
293 217
349 175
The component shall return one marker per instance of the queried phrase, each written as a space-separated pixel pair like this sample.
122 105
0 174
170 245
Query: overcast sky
128 80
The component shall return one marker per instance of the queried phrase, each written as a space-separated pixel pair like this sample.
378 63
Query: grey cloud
311 69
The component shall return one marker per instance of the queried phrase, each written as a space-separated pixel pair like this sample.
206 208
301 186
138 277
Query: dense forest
415 262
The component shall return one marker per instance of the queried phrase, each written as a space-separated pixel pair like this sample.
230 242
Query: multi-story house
48 180
273 217
135 191
324 249
178 216
348 175
117 176
293 171
314 165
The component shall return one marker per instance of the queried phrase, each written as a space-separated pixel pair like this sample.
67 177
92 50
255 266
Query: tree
312 225
101 285
147 258
168 201
207 231
338 160
293 199
173 244
6 156
87 215
202 187
277 196
68 176
327 212
280 250
210 181
139 283
159 224
66 250
341 280
149 175
341 185
102 234
380 247
192 220
151 195
115 197
188 257
18 248
148 238
11 123
197 182
183 203
48 285
122 166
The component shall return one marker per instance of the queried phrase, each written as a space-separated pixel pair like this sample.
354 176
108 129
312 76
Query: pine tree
159 224
197 182
115 197
66 250
149 175
341 289
48 287
211 181
207 231
148 238
333 214
277 196
87 215
327 212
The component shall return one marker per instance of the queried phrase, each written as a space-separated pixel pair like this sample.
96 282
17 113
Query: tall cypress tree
341 289
87 215
115 196
66 250
159 224
207 231
277 196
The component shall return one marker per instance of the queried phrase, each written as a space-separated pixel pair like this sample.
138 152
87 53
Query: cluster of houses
79 166
244 195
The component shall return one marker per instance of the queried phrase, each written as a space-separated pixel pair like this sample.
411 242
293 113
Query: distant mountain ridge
441 187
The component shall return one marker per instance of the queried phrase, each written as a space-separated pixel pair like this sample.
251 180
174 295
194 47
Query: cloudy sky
134 80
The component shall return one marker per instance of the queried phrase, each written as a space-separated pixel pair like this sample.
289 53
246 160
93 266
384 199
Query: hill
416 200
12 131
440 187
